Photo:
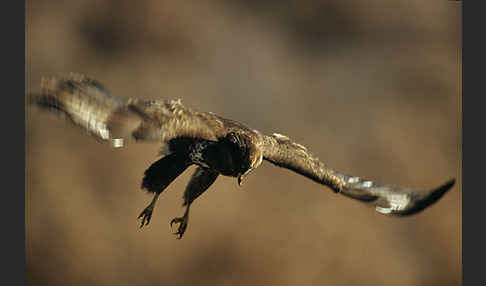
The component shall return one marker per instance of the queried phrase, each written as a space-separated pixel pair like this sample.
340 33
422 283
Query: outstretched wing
107 116
283 152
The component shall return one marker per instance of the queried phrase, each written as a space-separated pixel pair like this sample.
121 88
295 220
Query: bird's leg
146 214
182 221
200 181
158 176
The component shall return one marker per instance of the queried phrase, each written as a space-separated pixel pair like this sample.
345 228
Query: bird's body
218 146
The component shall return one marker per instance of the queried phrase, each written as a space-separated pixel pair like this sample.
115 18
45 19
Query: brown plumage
217 145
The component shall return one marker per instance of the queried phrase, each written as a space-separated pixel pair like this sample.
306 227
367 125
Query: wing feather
390 200
108 116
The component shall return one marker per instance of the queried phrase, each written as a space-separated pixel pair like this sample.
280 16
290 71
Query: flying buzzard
218 146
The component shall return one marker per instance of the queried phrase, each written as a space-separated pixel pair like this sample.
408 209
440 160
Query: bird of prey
218 146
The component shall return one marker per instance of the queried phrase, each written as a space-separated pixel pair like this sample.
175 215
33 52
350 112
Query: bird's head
250 163
248 155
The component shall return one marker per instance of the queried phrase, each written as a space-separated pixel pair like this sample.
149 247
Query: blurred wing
107 116
283 152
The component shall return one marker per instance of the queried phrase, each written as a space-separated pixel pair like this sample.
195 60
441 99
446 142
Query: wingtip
427 199
438 192
432 197
449 184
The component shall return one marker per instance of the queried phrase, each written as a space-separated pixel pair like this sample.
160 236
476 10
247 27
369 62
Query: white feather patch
280 136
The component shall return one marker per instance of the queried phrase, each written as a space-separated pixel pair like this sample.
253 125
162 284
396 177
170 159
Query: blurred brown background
372 87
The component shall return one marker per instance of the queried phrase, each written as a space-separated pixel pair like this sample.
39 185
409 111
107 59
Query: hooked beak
240 180
243 176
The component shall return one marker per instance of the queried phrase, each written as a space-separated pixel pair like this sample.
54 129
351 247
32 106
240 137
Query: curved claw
145 215
182 221
174 220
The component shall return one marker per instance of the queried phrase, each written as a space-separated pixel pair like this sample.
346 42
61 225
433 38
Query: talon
172 222
145 215
182 221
